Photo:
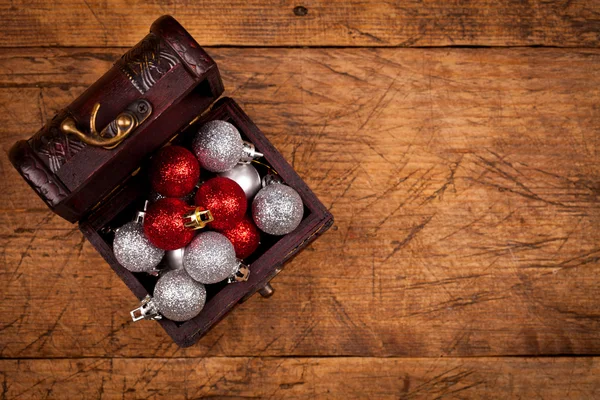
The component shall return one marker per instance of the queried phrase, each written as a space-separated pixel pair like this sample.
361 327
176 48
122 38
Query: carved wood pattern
54 147
38 176
147 63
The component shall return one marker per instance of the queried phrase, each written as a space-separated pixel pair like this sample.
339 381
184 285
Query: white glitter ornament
133 250
277 209
218 146
210 258
176 297
246 176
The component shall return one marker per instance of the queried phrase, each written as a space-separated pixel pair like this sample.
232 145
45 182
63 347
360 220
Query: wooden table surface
457 145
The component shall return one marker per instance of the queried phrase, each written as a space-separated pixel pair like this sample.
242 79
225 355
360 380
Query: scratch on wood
411 235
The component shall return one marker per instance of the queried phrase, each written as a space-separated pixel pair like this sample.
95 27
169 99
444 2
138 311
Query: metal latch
116 131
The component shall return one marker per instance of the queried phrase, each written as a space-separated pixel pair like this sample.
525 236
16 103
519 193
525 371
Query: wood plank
302 378
465 188
86 23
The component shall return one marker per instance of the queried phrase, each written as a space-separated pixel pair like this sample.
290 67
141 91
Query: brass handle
125 124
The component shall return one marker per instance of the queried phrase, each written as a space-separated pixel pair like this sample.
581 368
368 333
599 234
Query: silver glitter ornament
174 258
218 146
176 297
134 251
246 176
277 209
210 258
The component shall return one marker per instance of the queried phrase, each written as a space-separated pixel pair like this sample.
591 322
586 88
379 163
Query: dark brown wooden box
102 188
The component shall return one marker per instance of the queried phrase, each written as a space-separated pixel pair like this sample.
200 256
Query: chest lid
102 137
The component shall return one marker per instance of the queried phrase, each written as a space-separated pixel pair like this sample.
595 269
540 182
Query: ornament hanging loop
267 166
197 218
146 310
242 274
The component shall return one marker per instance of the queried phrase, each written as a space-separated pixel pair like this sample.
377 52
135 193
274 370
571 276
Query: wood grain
301 378
87 23
464 183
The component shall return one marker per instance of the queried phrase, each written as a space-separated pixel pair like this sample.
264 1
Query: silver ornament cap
246 176
218 146
146 310
178 297
277 209
249 153
210 258
133 250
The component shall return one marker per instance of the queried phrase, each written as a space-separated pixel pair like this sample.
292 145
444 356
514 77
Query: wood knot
300 11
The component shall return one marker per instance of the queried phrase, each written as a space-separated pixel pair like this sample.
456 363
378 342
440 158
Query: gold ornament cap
197 218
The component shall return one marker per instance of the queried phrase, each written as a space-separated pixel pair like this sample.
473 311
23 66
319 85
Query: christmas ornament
176 297
246 176
245 237
174 258
210 258
219 147
133 250
170 223
225 199
174 171
277 209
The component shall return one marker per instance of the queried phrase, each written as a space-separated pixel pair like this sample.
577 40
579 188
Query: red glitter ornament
245 237
174 172
225 199
164 224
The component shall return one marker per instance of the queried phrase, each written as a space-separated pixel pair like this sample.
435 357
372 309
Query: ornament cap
271 179
146 310
197 218
140 215
241 275
249 153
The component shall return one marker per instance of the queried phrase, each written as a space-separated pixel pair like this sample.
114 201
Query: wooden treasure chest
90 162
